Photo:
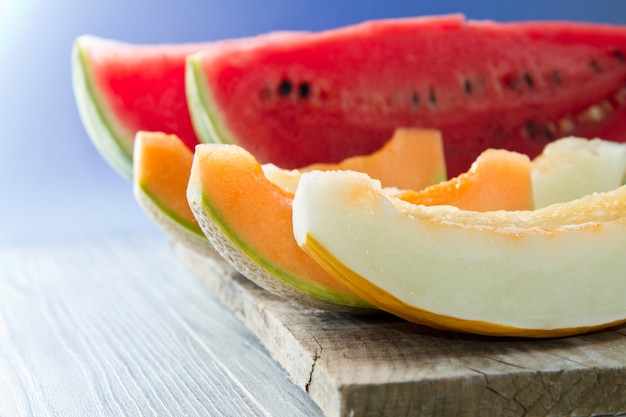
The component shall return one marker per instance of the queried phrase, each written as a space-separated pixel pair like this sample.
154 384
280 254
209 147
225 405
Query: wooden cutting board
376 365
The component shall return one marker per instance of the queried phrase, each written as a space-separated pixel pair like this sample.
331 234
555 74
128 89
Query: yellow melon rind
394 305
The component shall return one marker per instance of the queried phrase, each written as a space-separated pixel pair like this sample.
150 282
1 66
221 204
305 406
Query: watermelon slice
294 101
123 88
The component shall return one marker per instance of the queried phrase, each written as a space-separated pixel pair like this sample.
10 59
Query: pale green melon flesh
554 268
574 167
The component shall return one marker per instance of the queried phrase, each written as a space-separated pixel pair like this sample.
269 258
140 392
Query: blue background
54 186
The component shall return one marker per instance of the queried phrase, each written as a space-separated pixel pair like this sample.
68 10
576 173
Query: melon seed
556 77
528 79
550 131
595 66
304 90
566 126
432 97
531 129
467 86
285 87
594 114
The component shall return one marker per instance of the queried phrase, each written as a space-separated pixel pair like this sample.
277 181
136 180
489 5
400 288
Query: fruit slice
411 160
334 94
122 88
573 167
161 173
497 180
248 218
548 272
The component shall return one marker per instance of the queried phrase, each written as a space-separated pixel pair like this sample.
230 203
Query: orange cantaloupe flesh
498 180
161 168
413 157
411 160
256 214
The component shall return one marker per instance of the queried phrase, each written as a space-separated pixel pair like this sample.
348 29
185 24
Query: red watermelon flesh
122 88
145 86
299 100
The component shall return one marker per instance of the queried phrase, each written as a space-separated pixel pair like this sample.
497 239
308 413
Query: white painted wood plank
121 328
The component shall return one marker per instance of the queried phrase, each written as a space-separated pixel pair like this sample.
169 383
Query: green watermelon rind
112 142
202 108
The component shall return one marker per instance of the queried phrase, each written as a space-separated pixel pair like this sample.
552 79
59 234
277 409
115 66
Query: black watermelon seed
304 90
556 77
595 66
415 98
432 97
285 87
528 79
619 56
532 129
550 132
467 86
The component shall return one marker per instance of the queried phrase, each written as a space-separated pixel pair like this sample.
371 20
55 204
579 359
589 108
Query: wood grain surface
130 327
122 328
377 365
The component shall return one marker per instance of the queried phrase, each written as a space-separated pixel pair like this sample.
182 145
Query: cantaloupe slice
247 217
554 271
497 180
412 159
572 167
162 164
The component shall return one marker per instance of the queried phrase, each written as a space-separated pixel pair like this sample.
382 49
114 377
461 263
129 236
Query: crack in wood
316 356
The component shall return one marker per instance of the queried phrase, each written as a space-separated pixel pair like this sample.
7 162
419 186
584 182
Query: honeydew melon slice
161 168
554 271
572 167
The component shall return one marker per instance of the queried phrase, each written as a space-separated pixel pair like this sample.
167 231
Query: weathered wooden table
126 328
